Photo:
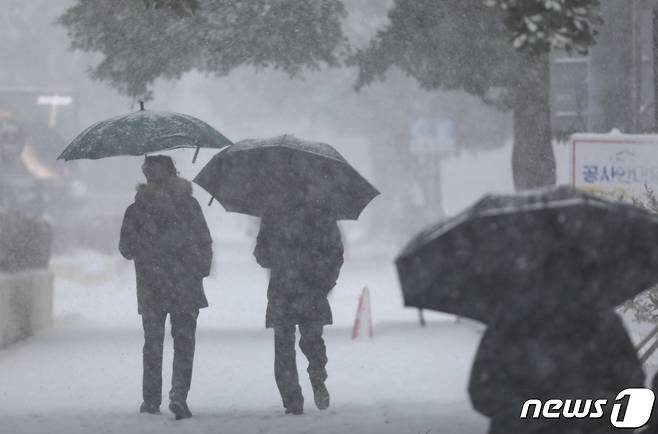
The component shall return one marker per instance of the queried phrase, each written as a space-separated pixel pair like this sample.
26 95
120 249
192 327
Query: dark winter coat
304 251
592 357
652 427
165 233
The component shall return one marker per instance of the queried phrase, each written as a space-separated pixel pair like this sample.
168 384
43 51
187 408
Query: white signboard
614 163
54 100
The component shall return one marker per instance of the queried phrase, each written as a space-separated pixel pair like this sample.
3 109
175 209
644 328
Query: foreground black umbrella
544 247
254 176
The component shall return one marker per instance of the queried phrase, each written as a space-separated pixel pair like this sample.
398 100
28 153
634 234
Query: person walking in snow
547 355
165 233
303 249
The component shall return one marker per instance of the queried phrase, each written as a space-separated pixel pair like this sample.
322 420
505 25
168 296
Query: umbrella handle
649 352
647 338
196 153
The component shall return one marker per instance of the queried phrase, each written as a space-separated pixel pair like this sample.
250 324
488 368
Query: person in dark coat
165 233
556 355
652 425
304 251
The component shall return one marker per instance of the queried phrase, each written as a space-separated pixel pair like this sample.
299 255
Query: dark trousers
285 365
183 329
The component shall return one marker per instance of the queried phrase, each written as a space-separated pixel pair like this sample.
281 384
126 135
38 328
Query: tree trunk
533 161
393 176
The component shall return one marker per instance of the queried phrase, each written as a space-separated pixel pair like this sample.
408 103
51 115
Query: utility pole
655 66
636 65
611 73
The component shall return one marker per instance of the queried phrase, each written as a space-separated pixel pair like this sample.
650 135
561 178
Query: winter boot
321 396
295 409
149 408
180 409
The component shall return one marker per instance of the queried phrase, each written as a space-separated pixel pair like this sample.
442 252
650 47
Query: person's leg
154 329
313 347
183 331
285 369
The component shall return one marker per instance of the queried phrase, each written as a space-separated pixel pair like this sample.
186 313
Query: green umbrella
143 132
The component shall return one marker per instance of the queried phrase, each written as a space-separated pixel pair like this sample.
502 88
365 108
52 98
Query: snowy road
84 375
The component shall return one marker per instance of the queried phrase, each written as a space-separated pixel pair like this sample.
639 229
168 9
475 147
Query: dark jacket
591 358
304 251
652 427
165 233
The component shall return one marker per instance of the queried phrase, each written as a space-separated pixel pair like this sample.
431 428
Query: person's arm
129 234
335 255
203 240
262 251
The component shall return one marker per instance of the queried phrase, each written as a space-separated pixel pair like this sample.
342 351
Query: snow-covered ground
84 375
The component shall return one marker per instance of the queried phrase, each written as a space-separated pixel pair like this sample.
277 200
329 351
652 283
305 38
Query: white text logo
631 408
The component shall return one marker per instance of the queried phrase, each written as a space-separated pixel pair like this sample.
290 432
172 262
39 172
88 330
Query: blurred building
611 87
34 124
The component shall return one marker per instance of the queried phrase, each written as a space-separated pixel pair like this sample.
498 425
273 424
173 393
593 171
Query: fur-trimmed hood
174 187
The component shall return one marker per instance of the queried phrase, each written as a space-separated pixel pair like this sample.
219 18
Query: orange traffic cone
363 315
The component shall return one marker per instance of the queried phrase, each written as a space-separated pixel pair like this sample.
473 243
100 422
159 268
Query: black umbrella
254 176
542 248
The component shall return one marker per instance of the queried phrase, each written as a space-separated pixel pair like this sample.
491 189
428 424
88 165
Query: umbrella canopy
143 132
254 176
543 248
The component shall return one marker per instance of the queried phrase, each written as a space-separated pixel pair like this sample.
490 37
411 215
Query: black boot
149 408
321 396
180 409
295 409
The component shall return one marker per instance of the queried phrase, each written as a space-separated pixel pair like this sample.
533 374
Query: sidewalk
83 376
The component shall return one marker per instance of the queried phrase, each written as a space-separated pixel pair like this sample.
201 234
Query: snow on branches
540 25
180 7
142 41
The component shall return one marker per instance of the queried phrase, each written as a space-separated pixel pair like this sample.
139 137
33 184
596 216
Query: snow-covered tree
141 41
448 44
181 7
540 25
470 45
